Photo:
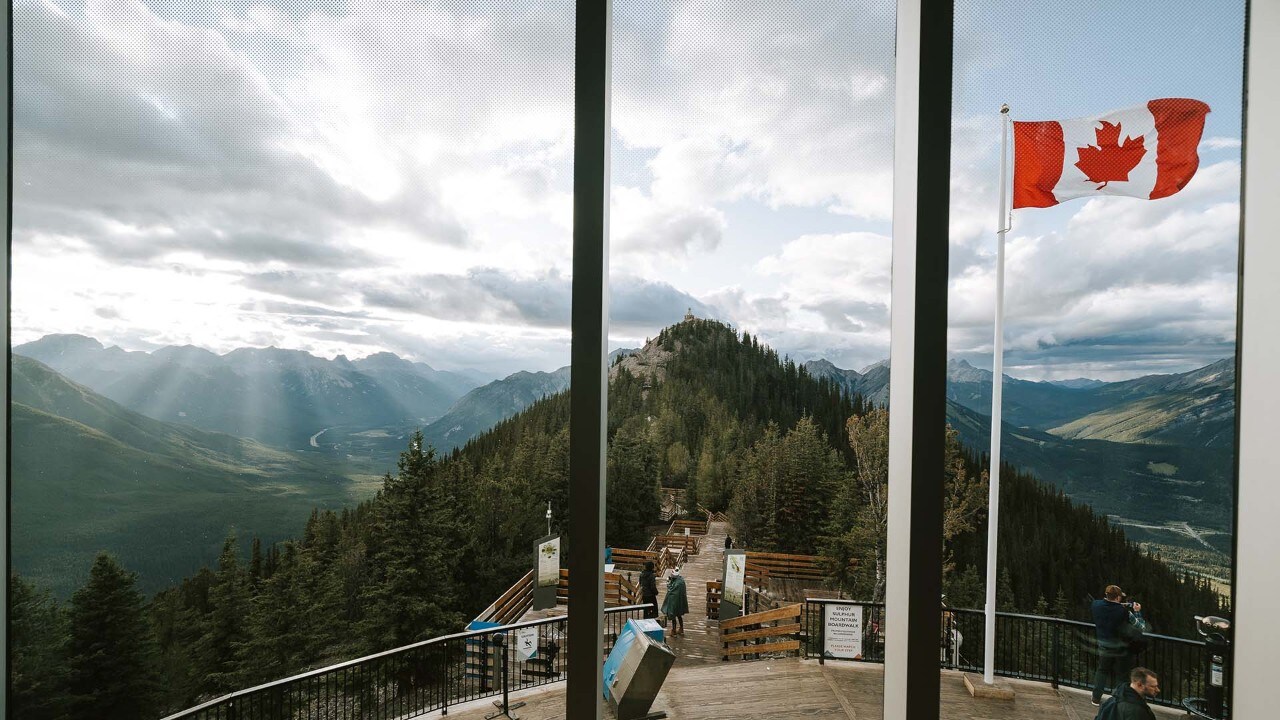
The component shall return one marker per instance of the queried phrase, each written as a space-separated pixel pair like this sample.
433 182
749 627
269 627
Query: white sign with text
842 631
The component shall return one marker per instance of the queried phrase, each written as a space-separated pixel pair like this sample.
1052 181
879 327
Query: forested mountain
1139 481
89 475
279 397
1153 453
1194 409
795 460
486 406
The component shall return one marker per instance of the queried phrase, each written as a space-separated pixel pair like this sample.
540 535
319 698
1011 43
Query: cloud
1122 282
1221 143
831 299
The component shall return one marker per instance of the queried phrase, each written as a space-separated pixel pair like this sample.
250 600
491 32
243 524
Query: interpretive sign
842 632
735 576
547 572
526 643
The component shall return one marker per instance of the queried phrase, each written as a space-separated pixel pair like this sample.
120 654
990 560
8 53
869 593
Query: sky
348 178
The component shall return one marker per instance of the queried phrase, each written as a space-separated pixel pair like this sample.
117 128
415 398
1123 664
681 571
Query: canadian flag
1148 151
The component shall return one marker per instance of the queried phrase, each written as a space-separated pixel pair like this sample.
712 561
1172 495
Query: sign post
547 572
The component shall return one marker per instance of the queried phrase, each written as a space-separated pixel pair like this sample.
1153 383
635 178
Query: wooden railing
679 543
512 604
762 567
696 527
618 590
673 503
757 601
769 632
628 560
713 516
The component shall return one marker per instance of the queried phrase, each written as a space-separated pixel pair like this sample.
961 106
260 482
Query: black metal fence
1028 647
431 675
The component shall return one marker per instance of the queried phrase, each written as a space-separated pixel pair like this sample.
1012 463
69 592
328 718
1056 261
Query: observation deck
798 688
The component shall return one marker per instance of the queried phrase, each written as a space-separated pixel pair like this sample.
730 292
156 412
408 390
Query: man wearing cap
1110 616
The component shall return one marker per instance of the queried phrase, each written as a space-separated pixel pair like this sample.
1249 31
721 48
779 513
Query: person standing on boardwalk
1129 701
1110 616
649 590
728 542
676 604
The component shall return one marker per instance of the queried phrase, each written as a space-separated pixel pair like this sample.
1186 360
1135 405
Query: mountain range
91 475
278 397
1193 409
158 453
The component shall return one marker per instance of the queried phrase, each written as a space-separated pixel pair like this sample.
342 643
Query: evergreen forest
797 463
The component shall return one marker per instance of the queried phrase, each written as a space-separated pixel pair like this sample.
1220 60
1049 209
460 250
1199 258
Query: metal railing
431 675
1028 647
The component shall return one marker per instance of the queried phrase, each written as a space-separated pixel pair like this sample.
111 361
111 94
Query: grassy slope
161 496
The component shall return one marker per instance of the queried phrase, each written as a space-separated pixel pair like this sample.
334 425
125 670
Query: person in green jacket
676 603
1129 702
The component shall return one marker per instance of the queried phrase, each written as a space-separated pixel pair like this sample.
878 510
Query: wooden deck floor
701 642
794 688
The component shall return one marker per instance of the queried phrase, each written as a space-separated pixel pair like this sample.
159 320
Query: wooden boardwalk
795 688
701 641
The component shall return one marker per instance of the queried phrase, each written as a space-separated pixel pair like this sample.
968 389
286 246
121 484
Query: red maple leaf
1110 160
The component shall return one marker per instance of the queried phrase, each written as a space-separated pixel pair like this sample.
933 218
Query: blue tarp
625 640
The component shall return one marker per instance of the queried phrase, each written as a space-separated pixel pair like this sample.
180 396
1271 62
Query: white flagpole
997 383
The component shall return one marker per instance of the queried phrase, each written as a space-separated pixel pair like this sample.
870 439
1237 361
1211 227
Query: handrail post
1057 631
822 634
444 686
506 677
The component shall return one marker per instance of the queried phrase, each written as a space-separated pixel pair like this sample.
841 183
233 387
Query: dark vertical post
588 364
6 143
1057 645
919 341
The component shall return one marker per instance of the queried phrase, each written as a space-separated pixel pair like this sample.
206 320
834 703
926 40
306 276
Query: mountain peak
58 344
961 371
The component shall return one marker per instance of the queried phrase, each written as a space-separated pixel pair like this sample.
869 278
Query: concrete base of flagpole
979 689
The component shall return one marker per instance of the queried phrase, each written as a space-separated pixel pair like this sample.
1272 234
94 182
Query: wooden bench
769 632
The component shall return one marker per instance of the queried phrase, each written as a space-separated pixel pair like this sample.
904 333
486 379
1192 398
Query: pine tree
810 473
753 509
413 595
217 649
38 639
632 496
112 664
1006 601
